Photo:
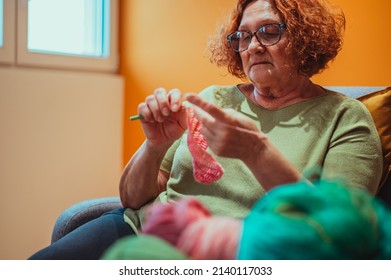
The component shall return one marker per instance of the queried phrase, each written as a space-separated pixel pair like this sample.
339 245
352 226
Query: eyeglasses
267 35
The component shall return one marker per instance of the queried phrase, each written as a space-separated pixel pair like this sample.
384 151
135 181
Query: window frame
24 57
7 51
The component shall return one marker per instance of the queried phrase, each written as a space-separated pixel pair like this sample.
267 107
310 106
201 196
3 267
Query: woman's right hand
164 118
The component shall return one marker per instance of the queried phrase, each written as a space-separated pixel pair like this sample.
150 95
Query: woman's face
265 66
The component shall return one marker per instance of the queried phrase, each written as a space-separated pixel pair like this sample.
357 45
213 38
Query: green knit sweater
331 133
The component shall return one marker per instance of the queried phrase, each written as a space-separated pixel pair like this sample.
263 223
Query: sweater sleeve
355 147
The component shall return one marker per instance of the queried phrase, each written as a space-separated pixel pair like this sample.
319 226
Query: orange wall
163 45
365 58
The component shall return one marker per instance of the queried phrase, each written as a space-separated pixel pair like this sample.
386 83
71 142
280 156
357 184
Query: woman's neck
275 98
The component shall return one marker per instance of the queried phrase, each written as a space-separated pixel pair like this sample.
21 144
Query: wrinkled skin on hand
164 120
227 132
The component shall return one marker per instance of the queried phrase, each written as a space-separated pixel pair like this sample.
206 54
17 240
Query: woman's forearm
140 180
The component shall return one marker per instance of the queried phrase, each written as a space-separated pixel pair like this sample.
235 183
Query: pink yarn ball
168 220
211 238
189 226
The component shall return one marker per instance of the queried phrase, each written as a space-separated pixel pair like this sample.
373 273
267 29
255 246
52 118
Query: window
1 23
71 34
76 27
7 27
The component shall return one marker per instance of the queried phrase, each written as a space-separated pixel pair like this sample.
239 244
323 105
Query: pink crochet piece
206 169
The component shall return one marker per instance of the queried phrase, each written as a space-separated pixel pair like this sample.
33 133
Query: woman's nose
255 45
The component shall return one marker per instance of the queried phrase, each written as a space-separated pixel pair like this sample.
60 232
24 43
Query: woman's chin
262 78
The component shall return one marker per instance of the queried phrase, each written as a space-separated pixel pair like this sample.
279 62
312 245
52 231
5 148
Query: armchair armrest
82 212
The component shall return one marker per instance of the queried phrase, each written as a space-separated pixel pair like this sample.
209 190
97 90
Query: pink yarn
213 238
206 169
167 220
188 225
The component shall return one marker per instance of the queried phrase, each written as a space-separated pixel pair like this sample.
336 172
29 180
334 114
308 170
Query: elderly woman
275 128
267 132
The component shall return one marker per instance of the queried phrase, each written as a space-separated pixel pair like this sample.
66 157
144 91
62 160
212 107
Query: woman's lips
260 63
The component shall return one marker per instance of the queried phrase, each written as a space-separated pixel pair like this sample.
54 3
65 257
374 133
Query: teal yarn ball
327 221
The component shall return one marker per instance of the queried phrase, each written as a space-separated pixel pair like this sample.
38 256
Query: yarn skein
213 238
328 221
188 226
167 220
291 222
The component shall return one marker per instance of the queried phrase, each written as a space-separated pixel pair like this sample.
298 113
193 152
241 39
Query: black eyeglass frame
280 26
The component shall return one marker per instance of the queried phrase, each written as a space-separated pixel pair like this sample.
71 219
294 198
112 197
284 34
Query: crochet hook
140 116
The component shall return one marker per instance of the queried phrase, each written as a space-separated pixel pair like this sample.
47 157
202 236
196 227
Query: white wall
60 143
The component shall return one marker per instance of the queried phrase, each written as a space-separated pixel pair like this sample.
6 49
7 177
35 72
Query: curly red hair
314 29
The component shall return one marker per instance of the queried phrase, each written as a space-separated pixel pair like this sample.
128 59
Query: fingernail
166 112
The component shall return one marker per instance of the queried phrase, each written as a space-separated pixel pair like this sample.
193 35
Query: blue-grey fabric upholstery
82 212
355 91
85 211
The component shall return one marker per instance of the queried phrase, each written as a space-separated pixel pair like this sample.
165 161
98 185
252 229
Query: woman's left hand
231 134
227 132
